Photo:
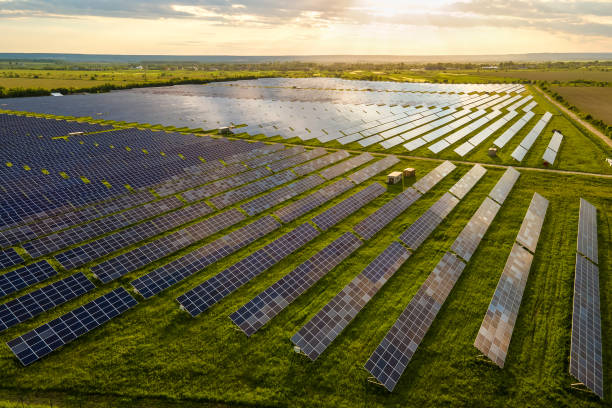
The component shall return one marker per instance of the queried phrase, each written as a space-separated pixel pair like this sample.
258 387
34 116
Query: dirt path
575 117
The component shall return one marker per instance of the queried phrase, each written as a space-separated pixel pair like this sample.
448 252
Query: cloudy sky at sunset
271 27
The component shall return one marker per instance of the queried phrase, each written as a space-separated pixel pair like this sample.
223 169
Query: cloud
583 18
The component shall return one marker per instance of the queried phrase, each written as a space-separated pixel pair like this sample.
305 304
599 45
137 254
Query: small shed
394 178
409 172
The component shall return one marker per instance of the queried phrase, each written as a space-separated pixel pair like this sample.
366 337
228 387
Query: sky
305 27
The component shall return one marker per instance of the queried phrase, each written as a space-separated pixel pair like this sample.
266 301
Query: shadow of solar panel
393 354
316 335
587 230
493 338
275 197
468 181
348 206
532 223
9 257
314 200
586 356
320 162
340 168
418 232
250 190
32 304
468 240
221 285
368 172
18 279
504 185
265 306
163 277
130 261
41 341
433 177
387 213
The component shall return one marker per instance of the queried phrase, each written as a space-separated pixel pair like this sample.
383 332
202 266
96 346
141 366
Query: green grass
156 355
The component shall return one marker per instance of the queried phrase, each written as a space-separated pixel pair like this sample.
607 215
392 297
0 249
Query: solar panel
314 200
320 162
9 257
252 189
18 279
136 258
265 306
468 240
275 197
493 338
340 168
165 276
32 304
316 335
587 230
41 341
504 185
469 180
368 172
532 223
418 232
433 177
387 213
586 356
393 354
224 283
348 206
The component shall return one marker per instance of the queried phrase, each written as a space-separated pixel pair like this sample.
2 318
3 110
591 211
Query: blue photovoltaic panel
433 177
418 232
348 206
256 313
387 213
370 171
221 285
587 230
326 325
18 279
393 354
32 304
9 257
185 266
586 357
41 341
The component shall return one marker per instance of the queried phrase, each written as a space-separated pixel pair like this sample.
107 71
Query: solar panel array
494 335
587 231
43 340
269 303
222 284
9 257
316 335
468 240
586 355
321 162
503 187
367 172
433 177
340 168
23 277
469 180
505 137
393 354
521 150
165 276
348 206
46 298
136 258
553 148
385 214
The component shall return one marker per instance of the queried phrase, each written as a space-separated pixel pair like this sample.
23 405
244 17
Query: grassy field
553 75
156 355
594 100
